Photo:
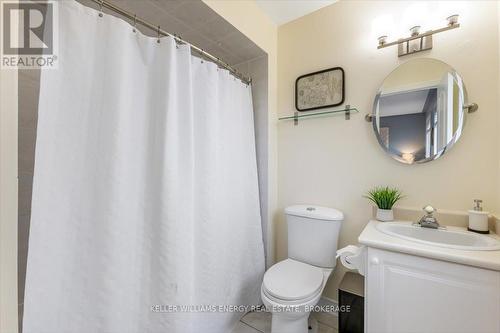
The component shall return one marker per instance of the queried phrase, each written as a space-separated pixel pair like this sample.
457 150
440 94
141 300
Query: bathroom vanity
419 280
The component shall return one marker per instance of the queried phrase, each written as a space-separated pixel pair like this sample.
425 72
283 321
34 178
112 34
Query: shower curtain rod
106 4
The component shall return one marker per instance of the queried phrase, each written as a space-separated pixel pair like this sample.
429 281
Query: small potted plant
384 198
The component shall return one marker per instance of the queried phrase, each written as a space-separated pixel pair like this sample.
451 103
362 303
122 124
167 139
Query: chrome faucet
428 220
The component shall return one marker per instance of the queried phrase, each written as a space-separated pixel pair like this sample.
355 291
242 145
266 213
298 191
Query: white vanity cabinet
409 293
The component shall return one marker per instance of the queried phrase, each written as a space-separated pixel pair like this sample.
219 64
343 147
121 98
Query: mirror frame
456 136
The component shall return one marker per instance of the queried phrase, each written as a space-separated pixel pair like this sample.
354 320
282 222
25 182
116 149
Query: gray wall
28 87
406 131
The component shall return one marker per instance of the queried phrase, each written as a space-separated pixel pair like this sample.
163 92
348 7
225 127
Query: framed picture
319 90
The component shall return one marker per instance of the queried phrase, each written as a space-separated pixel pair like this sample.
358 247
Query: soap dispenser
478 220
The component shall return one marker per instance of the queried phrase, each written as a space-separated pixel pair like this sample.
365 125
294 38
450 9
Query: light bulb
452 19
382 40
408 157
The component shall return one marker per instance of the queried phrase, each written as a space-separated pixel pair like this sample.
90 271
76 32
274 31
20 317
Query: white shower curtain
145 189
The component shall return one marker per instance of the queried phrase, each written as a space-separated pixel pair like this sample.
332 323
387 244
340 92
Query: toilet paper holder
353 257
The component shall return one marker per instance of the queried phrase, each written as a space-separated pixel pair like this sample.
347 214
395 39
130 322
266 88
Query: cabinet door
406 293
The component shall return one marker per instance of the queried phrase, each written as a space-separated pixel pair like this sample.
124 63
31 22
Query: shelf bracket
295 118
347 112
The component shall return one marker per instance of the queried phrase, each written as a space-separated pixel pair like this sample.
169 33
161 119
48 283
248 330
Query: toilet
292 287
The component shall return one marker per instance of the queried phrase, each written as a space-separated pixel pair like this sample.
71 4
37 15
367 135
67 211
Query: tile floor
260 322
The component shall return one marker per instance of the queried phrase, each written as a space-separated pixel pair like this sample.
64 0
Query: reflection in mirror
419 110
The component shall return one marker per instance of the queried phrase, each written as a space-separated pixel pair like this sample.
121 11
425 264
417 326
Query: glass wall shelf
347 111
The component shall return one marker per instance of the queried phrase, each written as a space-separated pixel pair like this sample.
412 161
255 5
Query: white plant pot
385 215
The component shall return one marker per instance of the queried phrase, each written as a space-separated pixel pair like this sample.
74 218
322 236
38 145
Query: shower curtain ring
100 8
135 23
159 35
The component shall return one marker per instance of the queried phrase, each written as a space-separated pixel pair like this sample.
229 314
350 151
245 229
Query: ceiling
283 11
194 22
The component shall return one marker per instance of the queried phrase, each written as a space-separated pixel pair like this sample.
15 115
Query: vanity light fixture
417 42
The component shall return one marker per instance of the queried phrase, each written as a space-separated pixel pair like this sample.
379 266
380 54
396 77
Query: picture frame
319 90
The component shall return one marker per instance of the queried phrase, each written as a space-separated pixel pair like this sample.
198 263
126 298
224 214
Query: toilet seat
291 280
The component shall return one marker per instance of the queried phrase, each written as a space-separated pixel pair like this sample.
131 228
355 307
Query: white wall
8 201
498 115
333 162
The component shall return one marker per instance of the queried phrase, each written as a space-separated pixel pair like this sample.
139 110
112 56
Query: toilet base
313 325
281 323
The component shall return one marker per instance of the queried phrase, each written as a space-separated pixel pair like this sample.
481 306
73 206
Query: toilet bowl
292 287
290 291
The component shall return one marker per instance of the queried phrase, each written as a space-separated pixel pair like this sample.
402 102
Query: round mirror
419 111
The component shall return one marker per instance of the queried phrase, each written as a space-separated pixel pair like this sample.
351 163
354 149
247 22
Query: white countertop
372 237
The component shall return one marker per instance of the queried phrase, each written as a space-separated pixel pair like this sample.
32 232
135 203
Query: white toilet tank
313 234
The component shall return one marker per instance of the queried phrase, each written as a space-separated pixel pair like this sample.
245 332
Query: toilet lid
293 280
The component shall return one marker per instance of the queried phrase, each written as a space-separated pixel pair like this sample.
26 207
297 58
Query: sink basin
450 238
